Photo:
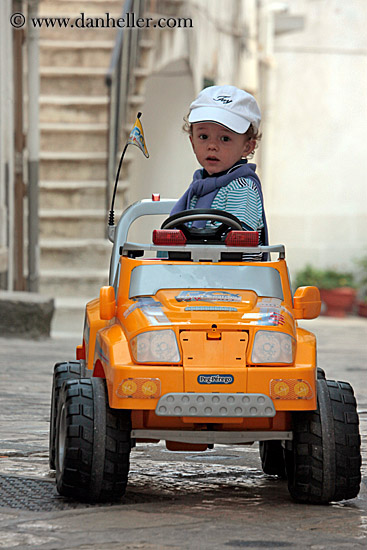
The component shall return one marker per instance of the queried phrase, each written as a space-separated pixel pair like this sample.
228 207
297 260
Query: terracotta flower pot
338 301
362 309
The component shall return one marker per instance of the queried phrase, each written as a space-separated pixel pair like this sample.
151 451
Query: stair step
78 253
77 194
73 81
72 166
83 137
69 31
55 53
61 7
146 44
62 45
81 109
140 81
141 72
73 71
89 213
72 282
155 16
74 127
167 8
79 224
72 155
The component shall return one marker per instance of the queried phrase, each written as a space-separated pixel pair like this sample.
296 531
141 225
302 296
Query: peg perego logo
215 379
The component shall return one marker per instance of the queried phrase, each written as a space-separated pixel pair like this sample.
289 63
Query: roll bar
118 234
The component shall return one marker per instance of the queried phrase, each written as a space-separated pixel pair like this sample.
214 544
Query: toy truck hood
228 309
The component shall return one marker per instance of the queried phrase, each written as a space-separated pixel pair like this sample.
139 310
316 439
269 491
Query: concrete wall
6 141
315 190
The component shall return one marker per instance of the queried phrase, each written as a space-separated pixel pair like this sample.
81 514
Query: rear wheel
323 461
92 443
272 458
67 370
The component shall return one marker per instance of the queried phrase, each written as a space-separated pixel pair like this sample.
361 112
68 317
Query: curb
25 314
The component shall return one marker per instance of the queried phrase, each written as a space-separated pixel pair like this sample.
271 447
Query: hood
200 309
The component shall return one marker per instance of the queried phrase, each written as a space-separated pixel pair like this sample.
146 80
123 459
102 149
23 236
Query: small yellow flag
136 136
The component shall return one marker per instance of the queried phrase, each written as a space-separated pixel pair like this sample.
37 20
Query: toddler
223 126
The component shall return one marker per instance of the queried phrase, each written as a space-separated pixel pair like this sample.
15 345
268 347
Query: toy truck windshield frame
198 252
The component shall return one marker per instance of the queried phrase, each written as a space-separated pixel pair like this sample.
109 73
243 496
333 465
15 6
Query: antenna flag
136 136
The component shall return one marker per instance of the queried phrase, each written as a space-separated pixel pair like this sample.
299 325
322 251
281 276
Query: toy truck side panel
92 324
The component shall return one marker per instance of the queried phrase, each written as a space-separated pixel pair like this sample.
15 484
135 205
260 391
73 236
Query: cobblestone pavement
218 499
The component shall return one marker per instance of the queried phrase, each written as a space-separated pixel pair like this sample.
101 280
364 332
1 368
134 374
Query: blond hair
251 133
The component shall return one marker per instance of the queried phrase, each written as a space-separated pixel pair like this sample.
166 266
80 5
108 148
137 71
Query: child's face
217 148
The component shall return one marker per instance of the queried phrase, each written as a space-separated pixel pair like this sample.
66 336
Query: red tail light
168 237
242 238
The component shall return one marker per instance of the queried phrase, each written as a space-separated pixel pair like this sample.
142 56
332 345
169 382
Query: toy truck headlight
273 347
155 346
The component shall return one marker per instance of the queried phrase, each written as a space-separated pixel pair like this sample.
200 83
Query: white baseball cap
228 106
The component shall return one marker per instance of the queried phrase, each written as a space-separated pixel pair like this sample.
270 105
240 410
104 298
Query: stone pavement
218 499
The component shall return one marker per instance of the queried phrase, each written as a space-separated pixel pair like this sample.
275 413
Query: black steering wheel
205 234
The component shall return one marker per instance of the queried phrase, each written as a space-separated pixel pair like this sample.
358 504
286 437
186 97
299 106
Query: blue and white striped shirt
241 199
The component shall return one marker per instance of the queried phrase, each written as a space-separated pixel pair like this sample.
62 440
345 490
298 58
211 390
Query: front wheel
92 443
323 461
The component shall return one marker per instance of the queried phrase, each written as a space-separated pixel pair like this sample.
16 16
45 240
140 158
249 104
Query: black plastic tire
92 443
272 458
321 373
324 459
67 370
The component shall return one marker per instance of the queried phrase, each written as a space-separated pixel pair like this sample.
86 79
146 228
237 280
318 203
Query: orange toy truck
199 345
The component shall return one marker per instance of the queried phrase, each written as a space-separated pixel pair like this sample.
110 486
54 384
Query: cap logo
223 98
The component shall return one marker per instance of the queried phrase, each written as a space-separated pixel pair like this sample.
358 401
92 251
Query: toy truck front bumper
266 389
141 386
220 405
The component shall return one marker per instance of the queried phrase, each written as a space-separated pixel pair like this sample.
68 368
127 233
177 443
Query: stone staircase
73 154
73 126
